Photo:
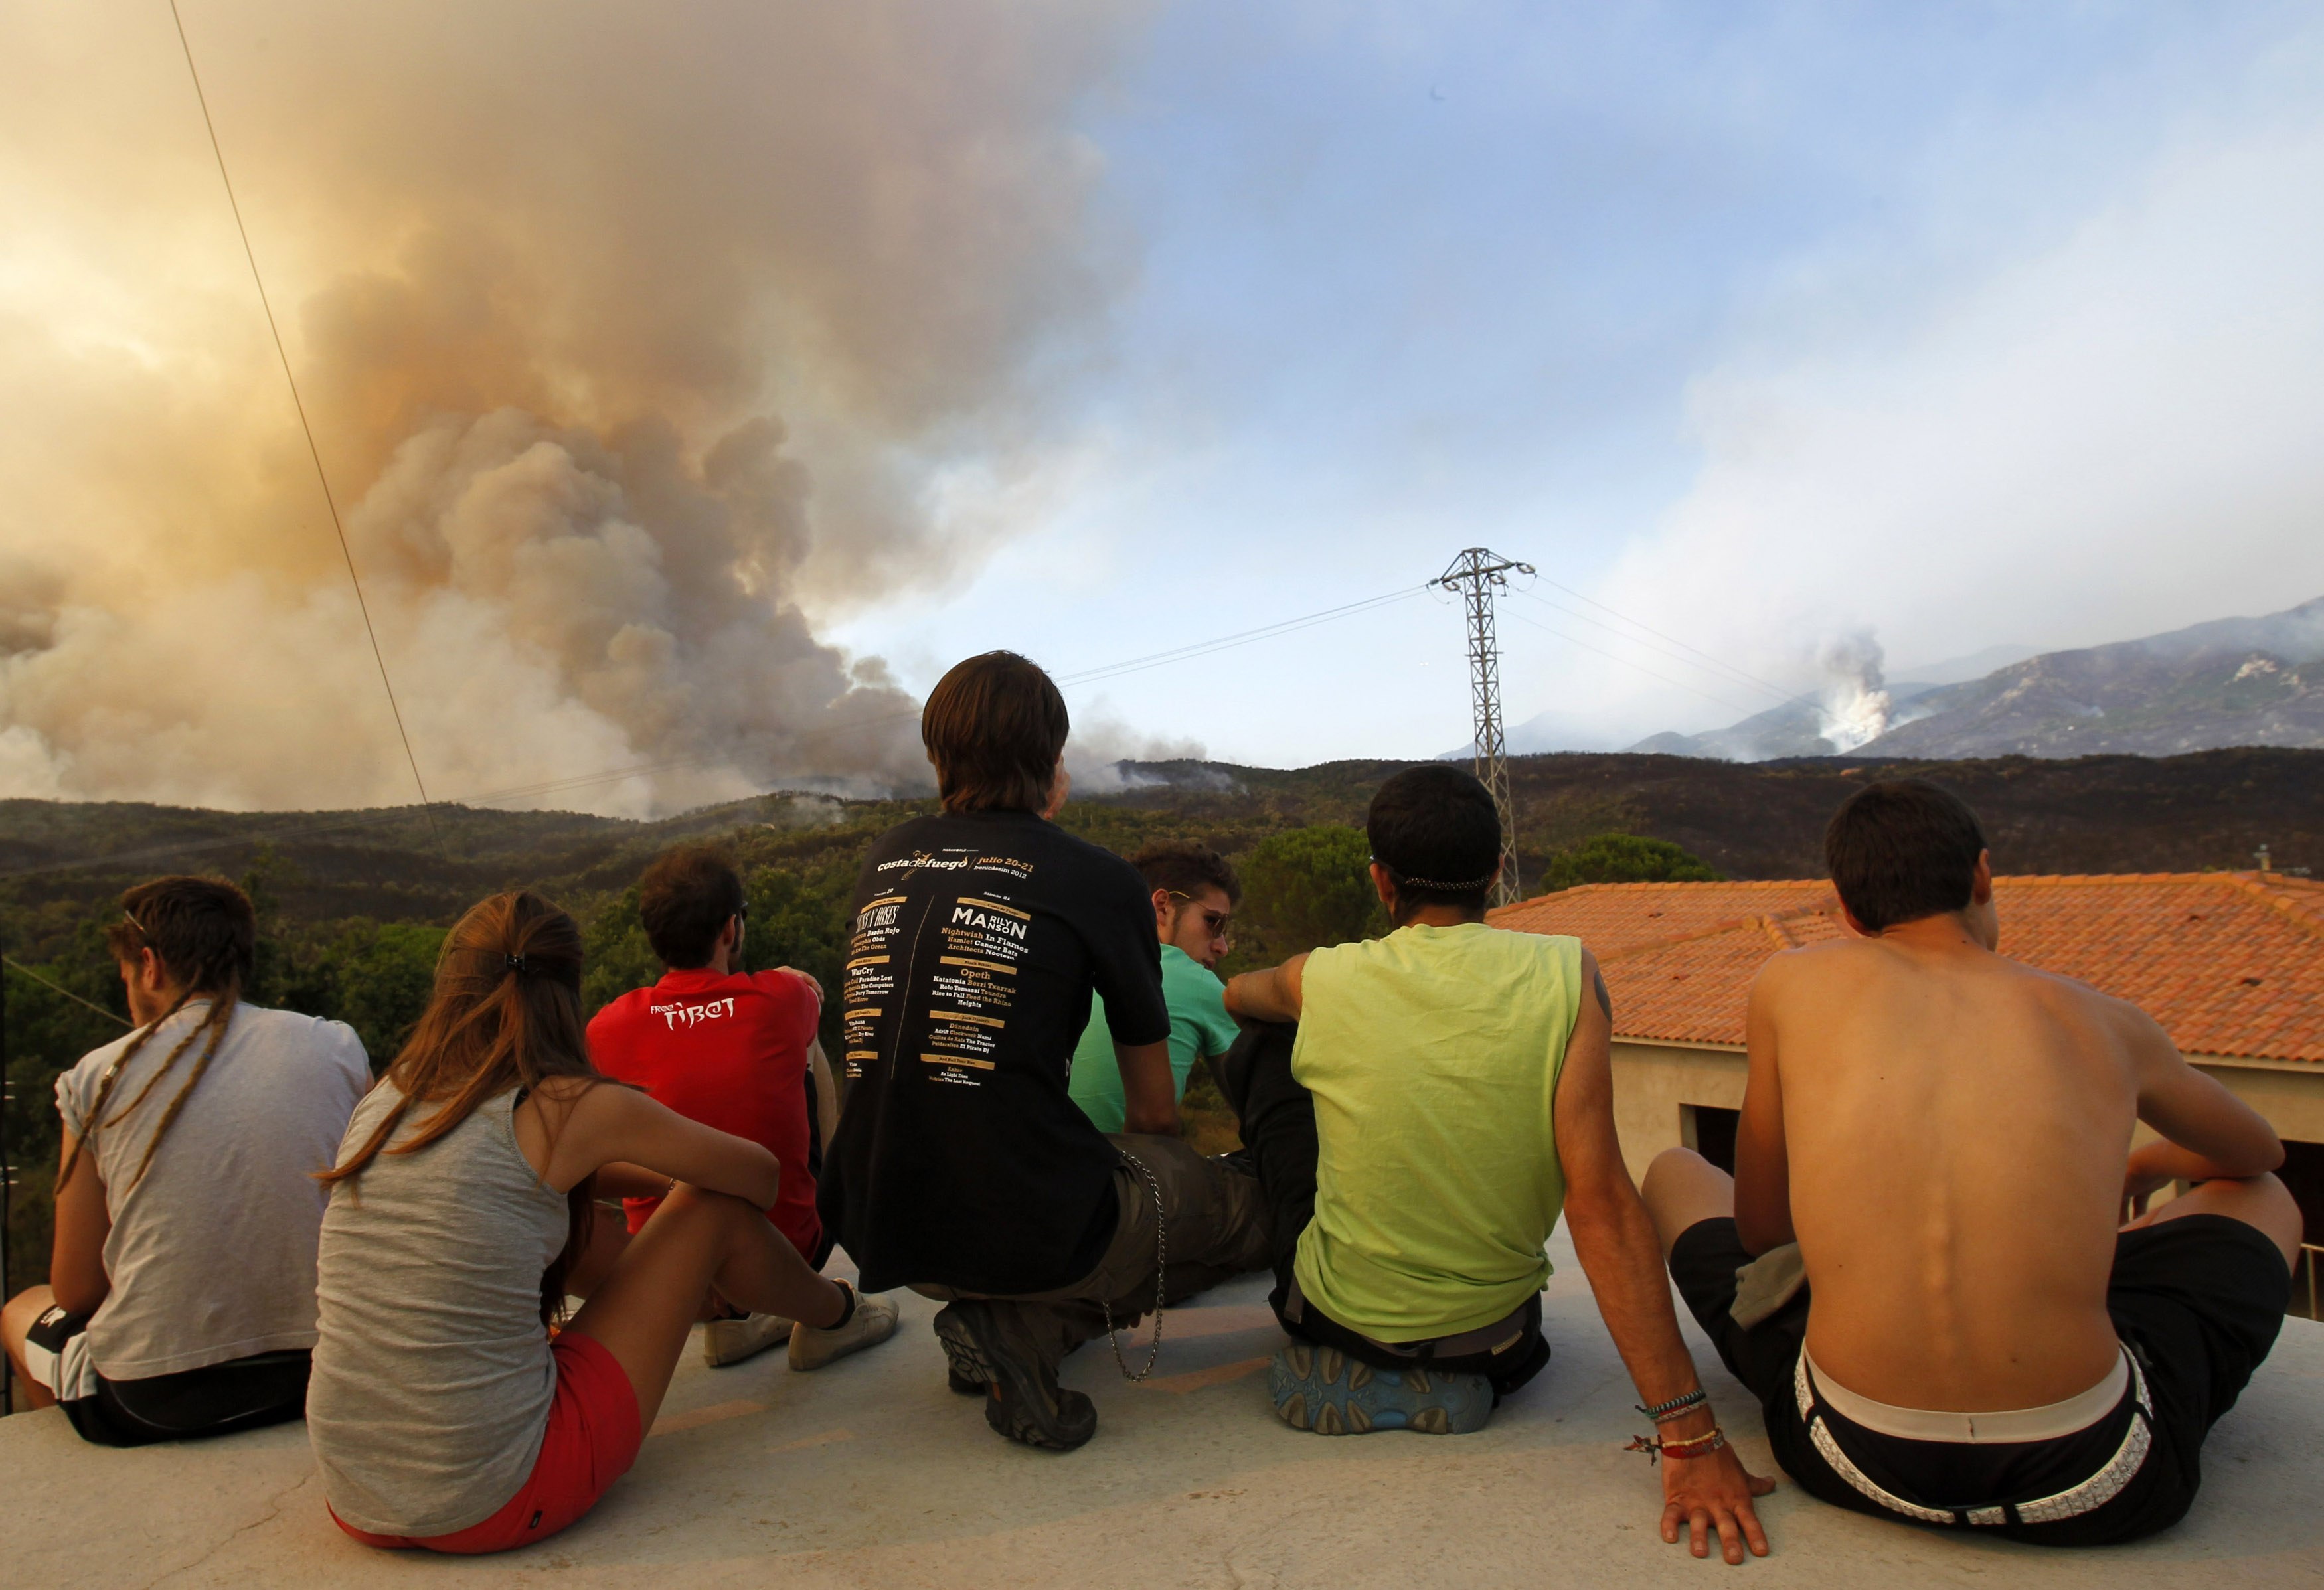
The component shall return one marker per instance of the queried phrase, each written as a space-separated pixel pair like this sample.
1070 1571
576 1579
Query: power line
1625 662
1706 658
1661 651
1244 637
14 964
300 403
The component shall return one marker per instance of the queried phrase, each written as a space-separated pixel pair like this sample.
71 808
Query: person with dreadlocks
445 1412
181 1293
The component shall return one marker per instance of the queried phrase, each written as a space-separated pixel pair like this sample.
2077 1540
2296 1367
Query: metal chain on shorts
1161 1273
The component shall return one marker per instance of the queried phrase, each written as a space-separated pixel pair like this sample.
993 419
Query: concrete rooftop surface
871 1473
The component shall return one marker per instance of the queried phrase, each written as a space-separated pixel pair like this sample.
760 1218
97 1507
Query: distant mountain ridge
2229 682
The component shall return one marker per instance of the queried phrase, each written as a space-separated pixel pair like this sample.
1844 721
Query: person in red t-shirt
735 1050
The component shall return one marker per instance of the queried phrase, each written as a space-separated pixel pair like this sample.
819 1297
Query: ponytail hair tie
520 965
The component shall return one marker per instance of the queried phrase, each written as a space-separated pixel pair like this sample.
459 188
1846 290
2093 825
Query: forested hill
2208 810
1758 819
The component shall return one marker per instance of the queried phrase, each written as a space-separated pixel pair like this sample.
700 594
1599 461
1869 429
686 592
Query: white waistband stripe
2046 1423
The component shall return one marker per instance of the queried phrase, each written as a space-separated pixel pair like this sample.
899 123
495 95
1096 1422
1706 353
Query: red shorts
592 1437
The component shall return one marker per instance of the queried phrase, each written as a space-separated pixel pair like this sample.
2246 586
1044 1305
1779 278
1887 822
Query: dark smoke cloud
633 337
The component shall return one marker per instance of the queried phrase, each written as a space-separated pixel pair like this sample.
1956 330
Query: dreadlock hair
205 935
505 1012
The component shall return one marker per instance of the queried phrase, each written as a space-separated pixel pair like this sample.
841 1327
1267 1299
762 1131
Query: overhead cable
1244 637
300 403
1627 662
1707 660
13 964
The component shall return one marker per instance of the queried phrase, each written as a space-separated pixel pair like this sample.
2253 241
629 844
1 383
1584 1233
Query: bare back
1955 1127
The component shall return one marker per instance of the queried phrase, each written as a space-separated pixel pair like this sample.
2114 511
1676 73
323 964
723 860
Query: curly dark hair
1185 866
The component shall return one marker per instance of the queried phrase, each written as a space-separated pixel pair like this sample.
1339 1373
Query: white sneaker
873 1322
730 1341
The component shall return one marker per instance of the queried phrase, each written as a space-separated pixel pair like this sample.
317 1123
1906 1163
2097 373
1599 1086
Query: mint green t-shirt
1433 1055
1199 1025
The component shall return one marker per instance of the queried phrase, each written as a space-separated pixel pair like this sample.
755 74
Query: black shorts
2198 1299
242 1394
1506 1370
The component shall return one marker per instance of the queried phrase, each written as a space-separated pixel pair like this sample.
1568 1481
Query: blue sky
1400 279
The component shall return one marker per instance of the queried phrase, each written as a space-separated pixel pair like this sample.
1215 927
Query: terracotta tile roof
2231 964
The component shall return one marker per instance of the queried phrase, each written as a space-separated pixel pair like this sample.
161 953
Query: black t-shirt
960 1159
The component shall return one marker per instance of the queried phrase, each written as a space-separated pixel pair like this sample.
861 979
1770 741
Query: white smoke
1856 705
1102 747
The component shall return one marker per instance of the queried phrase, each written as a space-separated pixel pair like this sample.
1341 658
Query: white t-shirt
212 1255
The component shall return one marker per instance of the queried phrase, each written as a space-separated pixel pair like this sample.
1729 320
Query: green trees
616 956
800 918
1626 857
1305 887
379 976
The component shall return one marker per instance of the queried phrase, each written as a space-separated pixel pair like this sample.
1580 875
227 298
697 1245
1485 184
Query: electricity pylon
1477 573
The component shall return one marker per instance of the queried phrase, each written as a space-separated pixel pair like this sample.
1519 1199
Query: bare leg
642 1310
1683 1188
609 1239
2257 1200
16 1318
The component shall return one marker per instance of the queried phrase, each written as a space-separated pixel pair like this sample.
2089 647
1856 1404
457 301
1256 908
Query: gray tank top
432 1378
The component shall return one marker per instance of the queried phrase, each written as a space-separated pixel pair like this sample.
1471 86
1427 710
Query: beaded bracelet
1662 1413
1657 1449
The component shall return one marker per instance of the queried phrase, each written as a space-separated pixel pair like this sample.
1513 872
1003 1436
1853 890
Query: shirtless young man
1945 1133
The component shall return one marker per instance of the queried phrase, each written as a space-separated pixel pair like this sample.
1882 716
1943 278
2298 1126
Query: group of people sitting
1935 1267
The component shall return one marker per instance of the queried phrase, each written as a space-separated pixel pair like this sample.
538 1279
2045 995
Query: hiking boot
1323 1390
988 1344
872 1322
730 1341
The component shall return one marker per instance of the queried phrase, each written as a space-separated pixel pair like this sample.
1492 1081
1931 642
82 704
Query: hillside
1766 819
1751 820
2235 682
2231 681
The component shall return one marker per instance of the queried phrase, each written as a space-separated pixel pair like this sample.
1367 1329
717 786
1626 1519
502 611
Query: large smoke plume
633 336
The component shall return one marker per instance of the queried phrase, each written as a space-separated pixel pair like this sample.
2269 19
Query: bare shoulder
565 1097
1787 969
2075 1000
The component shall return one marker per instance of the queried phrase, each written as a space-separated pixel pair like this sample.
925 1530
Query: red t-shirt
729 1050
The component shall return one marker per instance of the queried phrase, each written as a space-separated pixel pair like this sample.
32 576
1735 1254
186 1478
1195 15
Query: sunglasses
1218 922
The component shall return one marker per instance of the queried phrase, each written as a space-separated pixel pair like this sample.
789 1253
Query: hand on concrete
1713 1493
